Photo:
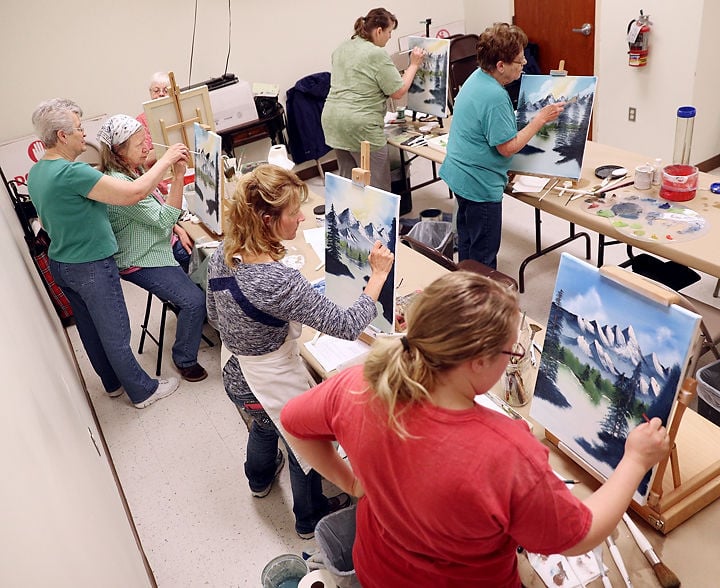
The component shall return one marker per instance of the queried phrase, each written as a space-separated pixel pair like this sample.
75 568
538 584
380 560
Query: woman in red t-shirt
449 489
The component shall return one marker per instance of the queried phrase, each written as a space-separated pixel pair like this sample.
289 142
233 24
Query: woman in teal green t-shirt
484 137
71 198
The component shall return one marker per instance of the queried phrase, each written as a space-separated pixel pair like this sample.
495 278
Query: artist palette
648 219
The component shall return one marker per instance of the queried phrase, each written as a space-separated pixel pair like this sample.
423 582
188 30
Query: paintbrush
617 558
614 186
163 145
597 552
665 575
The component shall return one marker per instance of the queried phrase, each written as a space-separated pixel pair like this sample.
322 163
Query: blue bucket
284 571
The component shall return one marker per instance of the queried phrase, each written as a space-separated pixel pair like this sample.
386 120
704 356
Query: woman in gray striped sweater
259 306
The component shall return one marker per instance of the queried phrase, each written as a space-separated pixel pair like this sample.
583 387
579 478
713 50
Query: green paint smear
620 224
606 213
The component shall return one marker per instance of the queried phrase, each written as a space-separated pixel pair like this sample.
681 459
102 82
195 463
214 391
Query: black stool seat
670 273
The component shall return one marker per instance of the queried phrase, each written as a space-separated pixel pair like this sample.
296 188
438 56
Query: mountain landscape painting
429 89
205 201
559 147
356 217
610 355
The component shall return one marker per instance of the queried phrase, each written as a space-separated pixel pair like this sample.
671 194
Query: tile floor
180 460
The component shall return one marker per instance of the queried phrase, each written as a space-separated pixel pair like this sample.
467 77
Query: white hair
160 77
52 116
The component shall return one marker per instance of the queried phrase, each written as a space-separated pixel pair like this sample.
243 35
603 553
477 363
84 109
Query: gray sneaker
116 393
279 463
165 388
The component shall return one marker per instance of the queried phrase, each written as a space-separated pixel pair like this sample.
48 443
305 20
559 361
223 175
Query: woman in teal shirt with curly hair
484 137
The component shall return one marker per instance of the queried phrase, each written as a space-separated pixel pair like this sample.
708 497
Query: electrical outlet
632 112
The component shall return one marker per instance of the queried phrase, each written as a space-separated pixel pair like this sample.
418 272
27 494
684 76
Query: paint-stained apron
276 377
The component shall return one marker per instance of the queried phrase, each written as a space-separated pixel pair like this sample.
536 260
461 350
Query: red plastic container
679 182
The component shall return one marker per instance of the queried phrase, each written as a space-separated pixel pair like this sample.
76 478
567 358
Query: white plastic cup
319 212
643 177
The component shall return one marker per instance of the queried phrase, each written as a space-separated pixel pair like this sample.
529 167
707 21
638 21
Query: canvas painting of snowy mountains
356 217
429 89
559 147
610 355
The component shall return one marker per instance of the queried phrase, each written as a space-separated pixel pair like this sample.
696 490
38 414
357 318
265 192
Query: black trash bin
708 379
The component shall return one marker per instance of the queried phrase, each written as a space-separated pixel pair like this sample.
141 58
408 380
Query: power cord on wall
227 60
192 46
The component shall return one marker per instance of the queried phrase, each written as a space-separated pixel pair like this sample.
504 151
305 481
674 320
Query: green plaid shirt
143 231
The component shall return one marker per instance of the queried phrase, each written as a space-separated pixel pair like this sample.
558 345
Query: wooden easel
694 458
361 177
175 95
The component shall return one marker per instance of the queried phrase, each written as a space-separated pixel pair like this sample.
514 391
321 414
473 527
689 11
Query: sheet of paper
316 239
332 353
569 572
529 184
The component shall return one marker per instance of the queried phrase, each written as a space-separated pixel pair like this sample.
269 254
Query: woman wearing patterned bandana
71 199
143 230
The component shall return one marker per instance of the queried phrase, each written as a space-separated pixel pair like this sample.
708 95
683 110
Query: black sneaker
279 463
339 502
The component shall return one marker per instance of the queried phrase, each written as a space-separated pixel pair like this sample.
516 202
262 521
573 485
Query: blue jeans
479 227
309 503
172 284
95 294
181 256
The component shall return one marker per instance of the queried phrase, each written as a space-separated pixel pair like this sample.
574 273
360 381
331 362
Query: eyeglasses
82 130
518 351
158 90
523 62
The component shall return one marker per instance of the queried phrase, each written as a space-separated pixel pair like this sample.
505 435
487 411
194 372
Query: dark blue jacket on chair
305 102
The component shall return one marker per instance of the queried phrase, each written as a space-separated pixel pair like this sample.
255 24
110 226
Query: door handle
586 29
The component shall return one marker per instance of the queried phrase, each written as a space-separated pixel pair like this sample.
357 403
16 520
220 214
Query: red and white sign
19 155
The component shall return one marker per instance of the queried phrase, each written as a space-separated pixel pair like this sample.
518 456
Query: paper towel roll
318 579
278 156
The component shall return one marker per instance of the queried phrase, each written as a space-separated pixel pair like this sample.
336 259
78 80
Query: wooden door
550 24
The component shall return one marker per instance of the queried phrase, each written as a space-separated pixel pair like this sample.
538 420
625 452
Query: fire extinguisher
638 37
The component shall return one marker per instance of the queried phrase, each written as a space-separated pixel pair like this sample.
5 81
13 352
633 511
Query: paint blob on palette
648 219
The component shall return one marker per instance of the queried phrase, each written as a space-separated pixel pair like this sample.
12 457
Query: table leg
539 251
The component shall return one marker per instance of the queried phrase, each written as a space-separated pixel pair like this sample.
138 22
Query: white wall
62 521
683 70
103 56
671 79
